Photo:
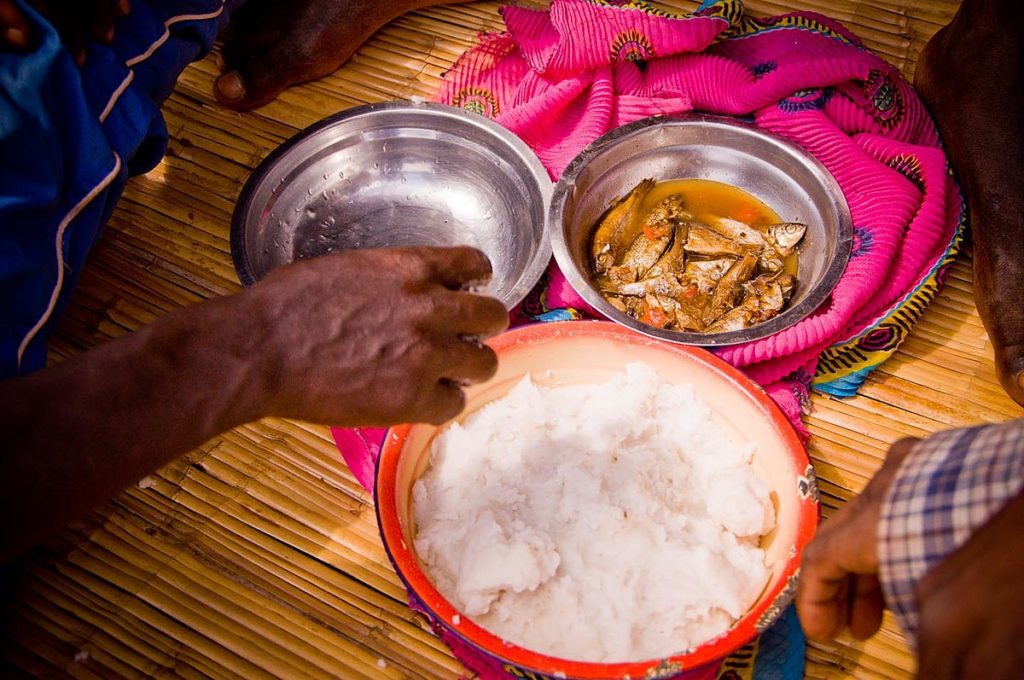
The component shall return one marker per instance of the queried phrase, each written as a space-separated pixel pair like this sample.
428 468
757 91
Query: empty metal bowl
398 174
781 174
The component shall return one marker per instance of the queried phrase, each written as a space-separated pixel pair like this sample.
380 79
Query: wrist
214 348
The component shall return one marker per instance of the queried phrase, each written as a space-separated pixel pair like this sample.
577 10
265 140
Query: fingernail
16 37
230 85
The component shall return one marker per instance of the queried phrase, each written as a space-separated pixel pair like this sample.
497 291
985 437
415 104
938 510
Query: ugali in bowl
577 352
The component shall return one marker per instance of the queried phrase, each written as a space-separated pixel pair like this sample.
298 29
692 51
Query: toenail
230 85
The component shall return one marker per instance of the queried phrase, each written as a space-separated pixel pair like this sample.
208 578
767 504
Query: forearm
81 431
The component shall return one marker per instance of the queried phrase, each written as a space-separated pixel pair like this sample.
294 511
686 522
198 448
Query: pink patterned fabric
563 77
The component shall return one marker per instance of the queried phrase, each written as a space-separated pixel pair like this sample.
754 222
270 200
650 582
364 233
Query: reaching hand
375 337
839 585
77 21
970 605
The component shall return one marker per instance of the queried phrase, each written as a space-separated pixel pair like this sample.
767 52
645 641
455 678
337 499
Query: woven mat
257 554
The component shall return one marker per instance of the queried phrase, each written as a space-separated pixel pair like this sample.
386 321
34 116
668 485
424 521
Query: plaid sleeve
948 486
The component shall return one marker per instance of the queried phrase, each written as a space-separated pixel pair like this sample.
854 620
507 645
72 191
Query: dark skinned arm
360 338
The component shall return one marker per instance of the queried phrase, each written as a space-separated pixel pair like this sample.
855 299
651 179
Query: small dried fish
785 236
736 319
609 236
677 316
666 216
621 274
666 285
739 232
769 259
616 302
674 258
644 252
669 271
706 273
703 240
764 297
730 287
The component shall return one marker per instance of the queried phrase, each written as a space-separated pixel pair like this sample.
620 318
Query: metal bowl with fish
398 174
700 229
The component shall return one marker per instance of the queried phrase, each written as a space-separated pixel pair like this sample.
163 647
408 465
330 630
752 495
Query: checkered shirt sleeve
948 486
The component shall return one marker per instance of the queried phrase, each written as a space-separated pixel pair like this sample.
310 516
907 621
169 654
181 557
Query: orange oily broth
708 200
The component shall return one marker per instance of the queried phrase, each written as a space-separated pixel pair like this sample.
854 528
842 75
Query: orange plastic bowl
590 351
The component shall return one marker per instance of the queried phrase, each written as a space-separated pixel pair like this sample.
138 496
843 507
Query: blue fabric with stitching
60 166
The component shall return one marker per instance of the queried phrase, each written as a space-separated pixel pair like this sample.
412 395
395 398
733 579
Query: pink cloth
561 78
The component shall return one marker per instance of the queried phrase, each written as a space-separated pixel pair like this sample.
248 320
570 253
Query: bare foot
275 44
971 76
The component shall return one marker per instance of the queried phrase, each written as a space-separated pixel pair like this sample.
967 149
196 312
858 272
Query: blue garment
69 139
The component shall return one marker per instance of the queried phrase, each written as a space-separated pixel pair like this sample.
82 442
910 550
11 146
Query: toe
1010 367
253 83
229 88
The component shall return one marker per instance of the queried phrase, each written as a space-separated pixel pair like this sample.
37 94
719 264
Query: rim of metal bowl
580 283
534 268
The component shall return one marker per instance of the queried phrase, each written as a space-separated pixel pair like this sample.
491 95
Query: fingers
15 30
444 403
831 595
467 362
458 267
471 315
866 606
822 600
831 599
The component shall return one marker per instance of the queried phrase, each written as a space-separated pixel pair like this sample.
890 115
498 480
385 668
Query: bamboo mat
257 555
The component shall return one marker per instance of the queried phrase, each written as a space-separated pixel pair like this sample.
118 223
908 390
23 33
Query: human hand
15 29
76 21
375 337
970 605
839 584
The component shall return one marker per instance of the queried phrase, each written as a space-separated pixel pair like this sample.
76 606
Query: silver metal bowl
781 174
398 174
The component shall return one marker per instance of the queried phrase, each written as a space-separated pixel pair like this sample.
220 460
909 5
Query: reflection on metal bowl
786 178
398 174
